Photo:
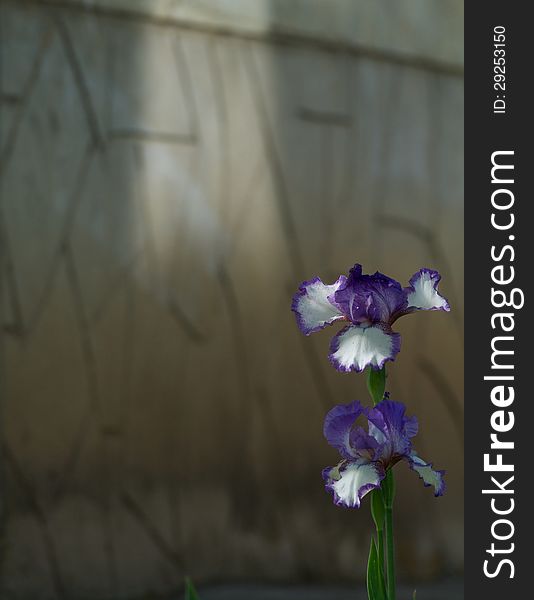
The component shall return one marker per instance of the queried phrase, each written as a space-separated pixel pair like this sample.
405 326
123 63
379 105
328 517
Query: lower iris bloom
367 455
371 304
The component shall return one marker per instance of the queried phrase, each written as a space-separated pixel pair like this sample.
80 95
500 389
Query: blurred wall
170 172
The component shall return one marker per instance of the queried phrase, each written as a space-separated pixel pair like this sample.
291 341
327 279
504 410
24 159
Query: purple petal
411 426
312 307
354 348
392 429
422 293
363 443
370 298
427 473
347 299
338 425
351 482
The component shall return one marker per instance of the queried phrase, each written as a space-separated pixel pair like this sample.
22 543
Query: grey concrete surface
170 171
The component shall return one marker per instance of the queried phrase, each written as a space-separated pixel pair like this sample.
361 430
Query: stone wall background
170 171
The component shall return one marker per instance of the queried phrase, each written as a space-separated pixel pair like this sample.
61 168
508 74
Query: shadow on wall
166 185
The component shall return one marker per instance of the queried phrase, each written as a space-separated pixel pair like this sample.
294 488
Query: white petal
312 306
355 348
428 474
355 482
423 294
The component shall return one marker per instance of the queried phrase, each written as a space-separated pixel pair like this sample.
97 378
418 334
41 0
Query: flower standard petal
386 297
423 294
429 475
390 417
363 443
338 425
351 482
354 348
392 429
312 307
370 298
347 298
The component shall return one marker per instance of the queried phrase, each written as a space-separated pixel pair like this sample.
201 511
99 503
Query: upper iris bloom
367 455
371 304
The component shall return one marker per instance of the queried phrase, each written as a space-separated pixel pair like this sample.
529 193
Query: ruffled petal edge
354 348
429 475
350 482
422 293
312 307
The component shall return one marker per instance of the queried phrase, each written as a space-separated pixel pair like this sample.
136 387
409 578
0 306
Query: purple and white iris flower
367 455
371 304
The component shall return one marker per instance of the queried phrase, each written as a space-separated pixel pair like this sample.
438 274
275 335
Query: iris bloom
370 304
367 455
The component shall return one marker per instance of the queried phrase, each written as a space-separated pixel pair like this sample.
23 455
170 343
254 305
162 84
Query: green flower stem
383 498
376 384
390 555
389 494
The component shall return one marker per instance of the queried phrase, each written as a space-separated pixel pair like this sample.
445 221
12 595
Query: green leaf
376 587
190 592
371 566
378 509
376 384
414 595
